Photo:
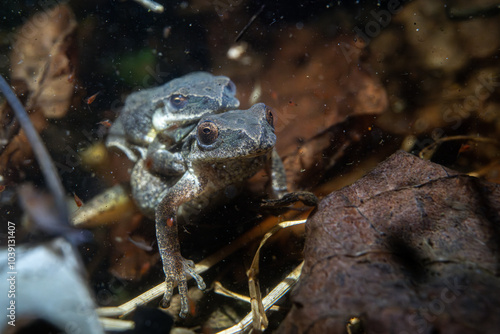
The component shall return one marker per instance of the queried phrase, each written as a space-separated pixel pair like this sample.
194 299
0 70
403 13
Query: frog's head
234 134
187 98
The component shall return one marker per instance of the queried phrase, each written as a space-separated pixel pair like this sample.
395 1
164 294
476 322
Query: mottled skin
171 110
222 150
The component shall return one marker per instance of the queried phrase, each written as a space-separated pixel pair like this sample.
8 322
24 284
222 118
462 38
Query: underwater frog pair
187 155
171 111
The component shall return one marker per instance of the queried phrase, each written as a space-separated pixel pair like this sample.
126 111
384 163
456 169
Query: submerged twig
221 290
47 167
260 321
249 23
278 292
116 324
427 152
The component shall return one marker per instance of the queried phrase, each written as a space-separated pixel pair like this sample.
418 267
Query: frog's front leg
175 266
164 162
161 158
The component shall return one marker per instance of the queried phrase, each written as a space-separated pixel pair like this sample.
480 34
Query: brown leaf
319 87
43 60
130 256
313 158
312 92
410 248
17 153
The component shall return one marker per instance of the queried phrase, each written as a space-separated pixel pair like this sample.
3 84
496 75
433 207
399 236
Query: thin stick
245 28
221 290
428 151
40 151
260 321
116 324
268 301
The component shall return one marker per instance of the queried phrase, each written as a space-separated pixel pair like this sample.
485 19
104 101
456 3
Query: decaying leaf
312 93
43 64
313 90
17 153
410 248
313 158
43 59
132 256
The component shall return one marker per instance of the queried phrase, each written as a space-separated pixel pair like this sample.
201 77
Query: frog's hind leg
175 266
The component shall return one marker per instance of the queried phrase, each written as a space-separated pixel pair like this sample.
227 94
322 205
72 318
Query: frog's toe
177 273
184 301
165 303
189 268
167 296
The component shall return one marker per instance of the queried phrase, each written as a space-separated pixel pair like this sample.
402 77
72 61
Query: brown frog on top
222 150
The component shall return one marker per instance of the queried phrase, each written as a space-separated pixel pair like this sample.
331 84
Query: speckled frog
222 150
172 110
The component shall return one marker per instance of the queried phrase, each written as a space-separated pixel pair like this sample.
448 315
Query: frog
222 150
171 110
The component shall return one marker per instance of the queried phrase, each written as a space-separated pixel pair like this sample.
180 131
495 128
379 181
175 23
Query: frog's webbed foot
176 268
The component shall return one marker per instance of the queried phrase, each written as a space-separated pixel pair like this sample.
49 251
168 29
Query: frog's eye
230 88
269 116
207 133
178 101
